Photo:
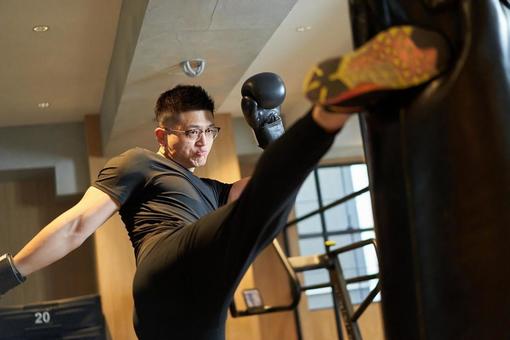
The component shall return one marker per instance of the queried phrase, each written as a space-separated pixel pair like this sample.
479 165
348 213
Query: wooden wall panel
27 204
271 279
223 165
115 259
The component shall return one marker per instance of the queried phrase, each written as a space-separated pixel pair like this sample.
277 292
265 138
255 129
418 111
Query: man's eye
193 132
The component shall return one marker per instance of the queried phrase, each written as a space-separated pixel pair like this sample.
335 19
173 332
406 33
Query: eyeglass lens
196 133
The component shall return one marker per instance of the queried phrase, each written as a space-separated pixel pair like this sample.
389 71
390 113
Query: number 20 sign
42 318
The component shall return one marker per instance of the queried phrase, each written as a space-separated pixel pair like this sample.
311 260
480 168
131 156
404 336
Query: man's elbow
76 232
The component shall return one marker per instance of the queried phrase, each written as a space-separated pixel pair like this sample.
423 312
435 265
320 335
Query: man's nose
201 138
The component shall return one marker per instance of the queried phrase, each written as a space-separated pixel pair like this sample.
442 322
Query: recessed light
40 28
43 105
303 28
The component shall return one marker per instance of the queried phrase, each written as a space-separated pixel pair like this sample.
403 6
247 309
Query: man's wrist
10 276
329 121
268 133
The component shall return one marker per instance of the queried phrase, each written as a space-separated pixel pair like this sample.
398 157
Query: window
345 223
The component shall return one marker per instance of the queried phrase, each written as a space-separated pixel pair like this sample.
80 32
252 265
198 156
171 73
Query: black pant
183 287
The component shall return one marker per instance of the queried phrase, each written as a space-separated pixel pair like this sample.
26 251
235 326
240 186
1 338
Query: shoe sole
399 58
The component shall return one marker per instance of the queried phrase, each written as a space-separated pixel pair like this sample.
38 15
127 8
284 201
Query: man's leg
184 286
262 209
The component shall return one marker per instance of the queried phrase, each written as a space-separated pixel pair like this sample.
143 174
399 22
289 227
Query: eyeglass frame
202 132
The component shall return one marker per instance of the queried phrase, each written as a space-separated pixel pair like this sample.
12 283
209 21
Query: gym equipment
65 319
263 94
439 167
343 306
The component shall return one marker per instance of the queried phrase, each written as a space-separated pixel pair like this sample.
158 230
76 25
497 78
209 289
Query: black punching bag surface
439 162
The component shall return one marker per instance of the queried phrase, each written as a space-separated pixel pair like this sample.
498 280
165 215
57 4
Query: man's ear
160 134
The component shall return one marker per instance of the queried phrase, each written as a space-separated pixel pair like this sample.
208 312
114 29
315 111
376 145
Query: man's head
182 98
186 128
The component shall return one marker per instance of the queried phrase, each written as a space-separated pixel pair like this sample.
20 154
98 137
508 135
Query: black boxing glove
10 277
263 94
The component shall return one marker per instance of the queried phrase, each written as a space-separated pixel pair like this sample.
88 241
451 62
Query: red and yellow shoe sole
399 58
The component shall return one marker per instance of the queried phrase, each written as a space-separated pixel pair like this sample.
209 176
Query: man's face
182 147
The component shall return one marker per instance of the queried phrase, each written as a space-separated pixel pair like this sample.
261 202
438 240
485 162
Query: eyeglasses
195 134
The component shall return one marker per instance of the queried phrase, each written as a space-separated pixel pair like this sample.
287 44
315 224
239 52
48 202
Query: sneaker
399 58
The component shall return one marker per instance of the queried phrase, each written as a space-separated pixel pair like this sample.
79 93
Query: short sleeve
123 175
220 190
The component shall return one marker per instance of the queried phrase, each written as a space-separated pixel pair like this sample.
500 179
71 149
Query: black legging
183 287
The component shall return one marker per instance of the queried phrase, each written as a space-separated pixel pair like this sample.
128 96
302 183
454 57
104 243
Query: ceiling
65 66
115 57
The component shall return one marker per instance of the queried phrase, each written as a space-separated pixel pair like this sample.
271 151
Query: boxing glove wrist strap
268 133
10 277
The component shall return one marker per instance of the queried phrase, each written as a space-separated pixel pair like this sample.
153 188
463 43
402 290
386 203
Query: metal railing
329 261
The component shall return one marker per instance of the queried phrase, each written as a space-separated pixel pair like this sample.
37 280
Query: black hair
180 99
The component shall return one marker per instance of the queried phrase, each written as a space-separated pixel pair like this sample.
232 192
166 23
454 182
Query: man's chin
199 162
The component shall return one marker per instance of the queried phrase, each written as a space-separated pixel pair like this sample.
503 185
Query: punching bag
439 164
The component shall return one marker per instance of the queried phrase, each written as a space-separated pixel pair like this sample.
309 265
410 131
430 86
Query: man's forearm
66 232
56 240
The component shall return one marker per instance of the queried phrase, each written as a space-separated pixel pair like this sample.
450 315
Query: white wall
348 143
58 146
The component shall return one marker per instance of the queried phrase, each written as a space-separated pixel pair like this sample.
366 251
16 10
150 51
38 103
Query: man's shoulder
135 154
141 158
135 151
134 158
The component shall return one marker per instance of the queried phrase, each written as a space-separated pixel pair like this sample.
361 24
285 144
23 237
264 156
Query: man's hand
263 94
10 277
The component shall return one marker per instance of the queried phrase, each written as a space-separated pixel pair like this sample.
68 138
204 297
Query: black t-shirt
156 194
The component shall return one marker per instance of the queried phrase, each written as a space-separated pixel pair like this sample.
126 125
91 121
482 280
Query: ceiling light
40 28
303 28
43 105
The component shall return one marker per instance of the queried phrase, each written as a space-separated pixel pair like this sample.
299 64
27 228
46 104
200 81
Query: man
192 247
193 238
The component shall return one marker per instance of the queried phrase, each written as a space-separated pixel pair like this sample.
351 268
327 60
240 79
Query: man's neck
165 155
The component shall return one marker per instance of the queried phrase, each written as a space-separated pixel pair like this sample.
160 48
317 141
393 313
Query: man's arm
66 233
237 189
